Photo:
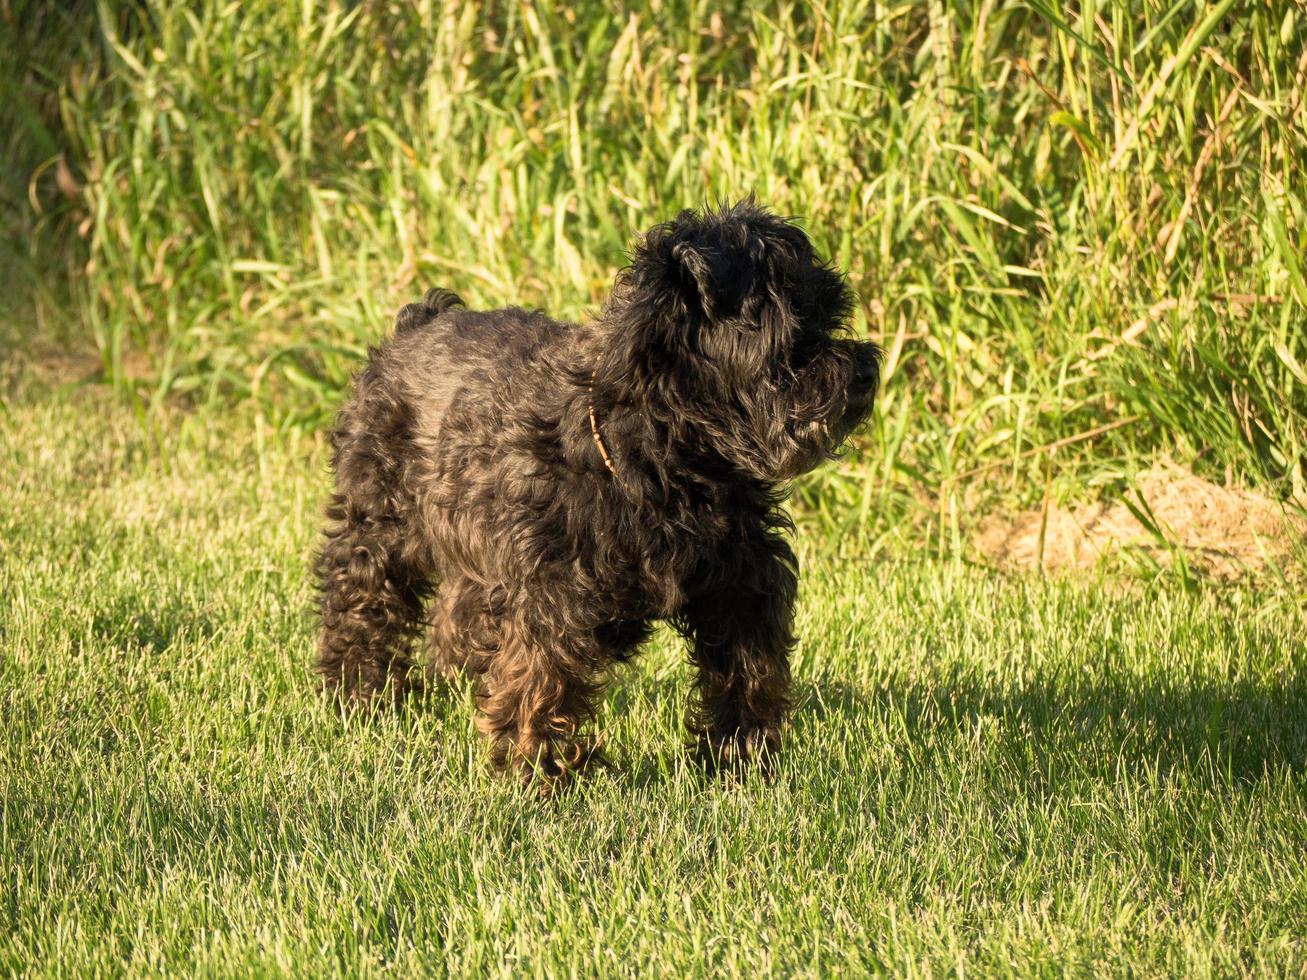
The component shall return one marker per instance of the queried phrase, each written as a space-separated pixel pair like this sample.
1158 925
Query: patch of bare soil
72 367
1224 533
53 366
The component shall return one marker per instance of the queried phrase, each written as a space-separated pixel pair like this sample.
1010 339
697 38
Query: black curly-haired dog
553 488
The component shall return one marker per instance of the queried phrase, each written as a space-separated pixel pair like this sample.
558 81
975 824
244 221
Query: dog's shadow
133 621
1239 730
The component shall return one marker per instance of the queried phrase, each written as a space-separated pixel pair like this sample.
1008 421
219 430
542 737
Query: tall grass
1077 227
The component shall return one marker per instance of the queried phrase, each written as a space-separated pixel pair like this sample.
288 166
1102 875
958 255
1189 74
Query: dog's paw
757 747
548 766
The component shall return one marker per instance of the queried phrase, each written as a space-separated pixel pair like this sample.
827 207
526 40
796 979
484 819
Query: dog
536 494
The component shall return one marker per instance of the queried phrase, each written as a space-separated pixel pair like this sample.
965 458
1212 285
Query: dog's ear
717 265
695 268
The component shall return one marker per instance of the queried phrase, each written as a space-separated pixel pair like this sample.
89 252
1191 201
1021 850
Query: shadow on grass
148 624
1241 730
1237 730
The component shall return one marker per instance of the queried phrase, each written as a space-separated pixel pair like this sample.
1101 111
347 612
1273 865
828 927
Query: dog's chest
661 573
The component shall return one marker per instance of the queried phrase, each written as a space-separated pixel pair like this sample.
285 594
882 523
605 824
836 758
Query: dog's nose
864 366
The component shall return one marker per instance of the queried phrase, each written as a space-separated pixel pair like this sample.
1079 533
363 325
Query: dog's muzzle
862 385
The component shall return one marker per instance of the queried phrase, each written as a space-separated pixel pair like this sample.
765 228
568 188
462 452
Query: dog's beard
790 427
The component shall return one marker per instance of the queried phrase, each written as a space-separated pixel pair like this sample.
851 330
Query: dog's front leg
741 636
534 698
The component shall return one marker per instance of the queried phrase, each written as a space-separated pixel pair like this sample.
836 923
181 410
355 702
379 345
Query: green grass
984 776
1079 234
1055 220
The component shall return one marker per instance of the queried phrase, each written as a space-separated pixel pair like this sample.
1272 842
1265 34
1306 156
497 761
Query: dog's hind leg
371 608
460 632
372 578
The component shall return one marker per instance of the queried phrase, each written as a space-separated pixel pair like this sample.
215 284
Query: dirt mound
1225 533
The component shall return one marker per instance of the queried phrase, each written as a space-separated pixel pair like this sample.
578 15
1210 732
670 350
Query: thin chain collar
599 439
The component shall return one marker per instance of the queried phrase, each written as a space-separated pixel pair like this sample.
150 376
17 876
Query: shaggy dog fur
538 493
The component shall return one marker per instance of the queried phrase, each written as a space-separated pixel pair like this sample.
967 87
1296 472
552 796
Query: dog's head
741 329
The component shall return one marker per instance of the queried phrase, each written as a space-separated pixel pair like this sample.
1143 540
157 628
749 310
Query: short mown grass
984 776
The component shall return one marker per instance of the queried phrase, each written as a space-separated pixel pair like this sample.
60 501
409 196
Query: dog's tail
434 303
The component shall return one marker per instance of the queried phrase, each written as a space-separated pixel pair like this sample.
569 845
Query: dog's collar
599 439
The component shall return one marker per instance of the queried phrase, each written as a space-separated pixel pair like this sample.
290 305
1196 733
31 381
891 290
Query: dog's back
440 349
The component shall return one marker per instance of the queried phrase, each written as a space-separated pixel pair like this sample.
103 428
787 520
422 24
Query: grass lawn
1077 231
984 776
